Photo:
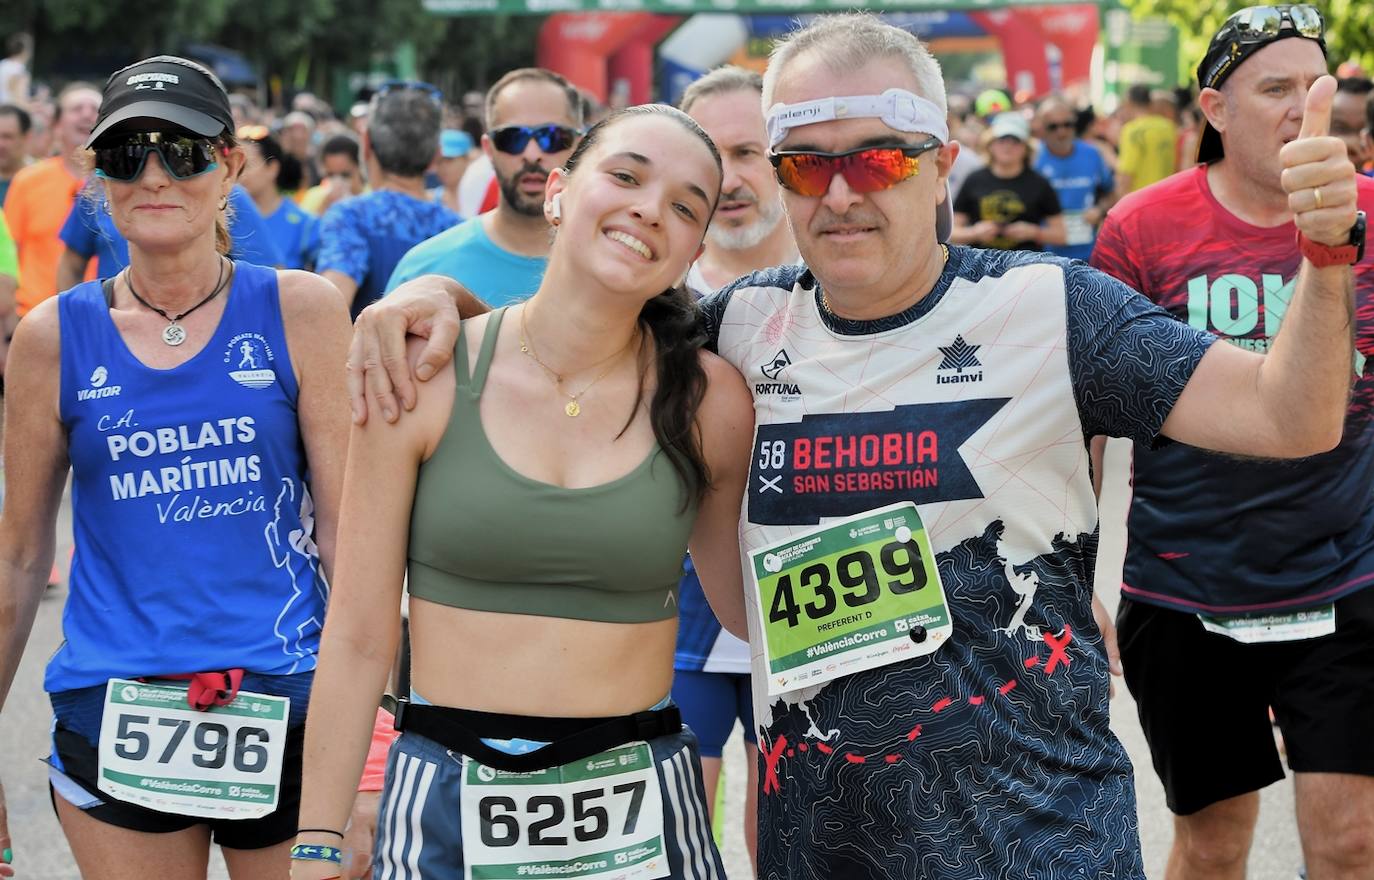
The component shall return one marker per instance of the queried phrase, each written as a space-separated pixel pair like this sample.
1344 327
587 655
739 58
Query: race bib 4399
858 594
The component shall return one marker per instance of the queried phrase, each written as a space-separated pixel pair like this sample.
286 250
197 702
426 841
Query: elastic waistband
569 739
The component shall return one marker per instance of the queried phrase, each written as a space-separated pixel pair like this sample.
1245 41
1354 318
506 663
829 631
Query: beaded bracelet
305 852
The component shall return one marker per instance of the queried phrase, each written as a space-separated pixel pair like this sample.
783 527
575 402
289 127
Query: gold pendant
572 409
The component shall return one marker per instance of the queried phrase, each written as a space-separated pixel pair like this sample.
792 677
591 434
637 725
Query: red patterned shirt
1217 533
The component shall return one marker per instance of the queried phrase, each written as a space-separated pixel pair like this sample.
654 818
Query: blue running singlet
193 522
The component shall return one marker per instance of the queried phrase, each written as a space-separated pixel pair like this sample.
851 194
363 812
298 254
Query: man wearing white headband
930 685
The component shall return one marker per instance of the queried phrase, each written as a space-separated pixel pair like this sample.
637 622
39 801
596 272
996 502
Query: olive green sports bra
487 538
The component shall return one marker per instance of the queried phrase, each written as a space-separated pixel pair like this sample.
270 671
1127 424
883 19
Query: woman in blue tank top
543 493
201 406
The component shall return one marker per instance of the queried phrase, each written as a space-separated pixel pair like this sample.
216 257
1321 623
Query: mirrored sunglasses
865 170
550 138
184 157
401 85
1267 22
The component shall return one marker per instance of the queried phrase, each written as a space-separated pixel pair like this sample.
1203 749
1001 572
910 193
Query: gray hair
724 80
1055 100
851 41
403 131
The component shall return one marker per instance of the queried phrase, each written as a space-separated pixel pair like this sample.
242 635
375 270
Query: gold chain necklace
825 300
572 408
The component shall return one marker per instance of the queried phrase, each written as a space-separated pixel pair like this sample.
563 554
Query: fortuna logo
156 81
98 387
772 370
959 357
776 365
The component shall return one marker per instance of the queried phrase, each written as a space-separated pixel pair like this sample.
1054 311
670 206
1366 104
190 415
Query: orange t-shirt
39 199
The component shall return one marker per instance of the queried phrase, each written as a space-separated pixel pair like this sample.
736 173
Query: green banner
1141 50
687 7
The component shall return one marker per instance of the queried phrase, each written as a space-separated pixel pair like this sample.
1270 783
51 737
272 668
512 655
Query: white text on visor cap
899 110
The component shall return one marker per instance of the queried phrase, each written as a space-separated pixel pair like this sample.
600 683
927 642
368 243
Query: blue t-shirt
365 236
1080 179
90 231
296 234
191 509
466 254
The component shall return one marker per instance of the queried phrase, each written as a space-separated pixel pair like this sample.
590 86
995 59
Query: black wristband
319 831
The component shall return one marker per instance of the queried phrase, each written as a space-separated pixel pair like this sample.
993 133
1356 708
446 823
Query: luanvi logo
99 376
773 370
962 358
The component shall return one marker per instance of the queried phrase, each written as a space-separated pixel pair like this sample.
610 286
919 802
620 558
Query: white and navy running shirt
991 757
192 515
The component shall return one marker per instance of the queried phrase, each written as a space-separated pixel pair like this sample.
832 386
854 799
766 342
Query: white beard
742 238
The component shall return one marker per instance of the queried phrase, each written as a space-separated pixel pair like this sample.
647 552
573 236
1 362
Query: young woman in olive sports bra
540 498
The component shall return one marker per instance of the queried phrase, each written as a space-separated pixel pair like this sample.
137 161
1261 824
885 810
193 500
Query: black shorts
1204 701
80 763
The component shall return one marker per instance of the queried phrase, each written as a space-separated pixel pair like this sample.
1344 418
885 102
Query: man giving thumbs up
1245 584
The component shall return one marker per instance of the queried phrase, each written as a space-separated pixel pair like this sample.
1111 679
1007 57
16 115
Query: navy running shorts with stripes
419 828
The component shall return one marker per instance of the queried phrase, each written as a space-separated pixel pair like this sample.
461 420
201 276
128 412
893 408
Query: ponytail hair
672 319
224 242
679 385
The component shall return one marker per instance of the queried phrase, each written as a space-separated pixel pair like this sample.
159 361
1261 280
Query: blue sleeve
251 240
712 310
343 247
1106 181
310 240
79 230
1129 359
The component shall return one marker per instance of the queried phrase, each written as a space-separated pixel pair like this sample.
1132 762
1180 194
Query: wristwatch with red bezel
1321 255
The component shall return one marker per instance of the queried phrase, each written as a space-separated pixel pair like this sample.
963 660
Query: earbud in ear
556 206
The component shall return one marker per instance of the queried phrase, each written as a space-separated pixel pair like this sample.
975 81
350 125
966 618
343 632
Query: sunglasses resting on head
865 170
1255 27
410 85
123 158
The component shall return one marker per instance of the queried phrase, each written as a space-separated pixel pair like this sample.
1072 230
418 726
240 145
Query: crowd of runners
776 407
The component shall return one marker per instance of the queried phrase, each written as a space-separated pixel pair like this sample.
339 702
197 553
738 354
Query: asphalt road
41 852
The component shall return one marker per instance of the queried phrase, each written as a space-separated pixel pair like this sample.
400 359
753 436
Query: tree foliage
1349 27
301 42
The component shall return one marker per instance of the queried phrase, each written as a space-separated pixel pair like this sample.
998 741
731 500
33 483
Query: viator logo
99 376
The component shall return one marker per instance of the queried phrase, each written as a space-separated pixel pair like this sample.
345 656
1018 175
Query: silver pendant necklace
174 334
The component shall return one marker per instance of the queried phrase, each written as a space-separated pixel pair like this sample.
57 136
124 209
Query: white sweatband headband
897 108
